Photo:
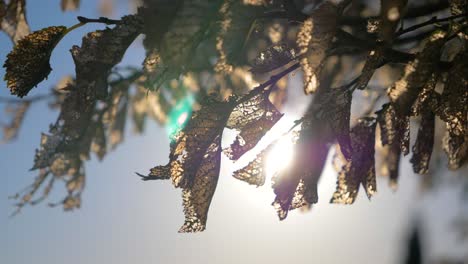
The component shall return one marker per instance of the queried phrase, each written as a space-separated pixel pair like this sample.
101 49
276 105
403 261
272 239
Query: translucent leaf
235 26
422 148
197 197
28 63
253 118
361 168
313 40
297 186
273 58
417 73
13 19
394 128
335 110
254 173
194 161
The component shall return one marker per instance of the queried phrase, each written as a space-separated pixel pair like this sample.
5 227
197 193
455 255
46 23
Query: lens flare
179 115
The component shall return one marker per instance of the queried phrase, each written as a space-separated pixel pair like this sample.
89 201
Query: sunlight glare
280 156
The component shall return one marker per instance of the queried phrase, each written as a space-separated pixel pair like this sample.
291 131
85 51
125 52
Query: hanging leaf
361 168
28 63
456 148
313 40
194 161
394 128
272 58
253 119
237 20
297 186
374 59
417 73
391 155
422 148
453 103
335 110
13 19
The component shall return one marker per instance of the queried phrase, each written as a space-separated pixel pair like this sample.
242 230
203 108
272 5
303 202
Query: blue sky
125 220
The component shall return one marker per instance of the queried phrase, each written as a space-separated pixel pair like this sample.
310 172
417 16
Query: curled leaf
28 63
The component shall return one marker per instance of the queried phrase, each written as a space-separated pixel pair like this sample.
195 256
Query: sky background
125 220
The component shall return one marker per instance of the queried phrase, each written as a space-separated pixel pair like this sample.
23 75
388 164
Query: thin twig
103 20
273 80
431 21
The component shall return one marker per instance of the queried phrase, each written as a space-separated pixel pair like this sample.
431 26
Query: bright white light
182 118
280 156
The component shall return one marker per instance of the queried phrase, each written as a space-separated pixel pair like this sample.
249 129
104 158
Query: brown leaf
28 63
297 186
313 40
361 168
456 147
254 173
422 148
253 118
13 19
194 161
453 103
236 24
272 58
417 73
394 129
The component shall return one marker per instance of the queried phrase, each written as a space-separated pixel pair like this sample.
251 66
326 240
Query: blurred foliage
376 72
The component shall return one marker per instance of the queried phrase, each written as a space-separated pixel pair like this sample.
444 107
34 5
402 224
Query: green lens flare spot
179 115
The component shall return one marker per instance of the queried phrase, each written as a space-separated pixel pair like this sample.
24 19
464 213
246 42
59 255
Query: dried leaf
422 148
13 19
253 119
456 147
236 24
313 40
374 59
453 103
28 63
394 129
297 187
417 73
194 161
272 58
254 173
361 168
335 110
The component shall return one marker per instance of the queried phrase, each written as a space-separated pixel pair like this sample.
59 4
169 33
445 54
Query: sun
280 156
